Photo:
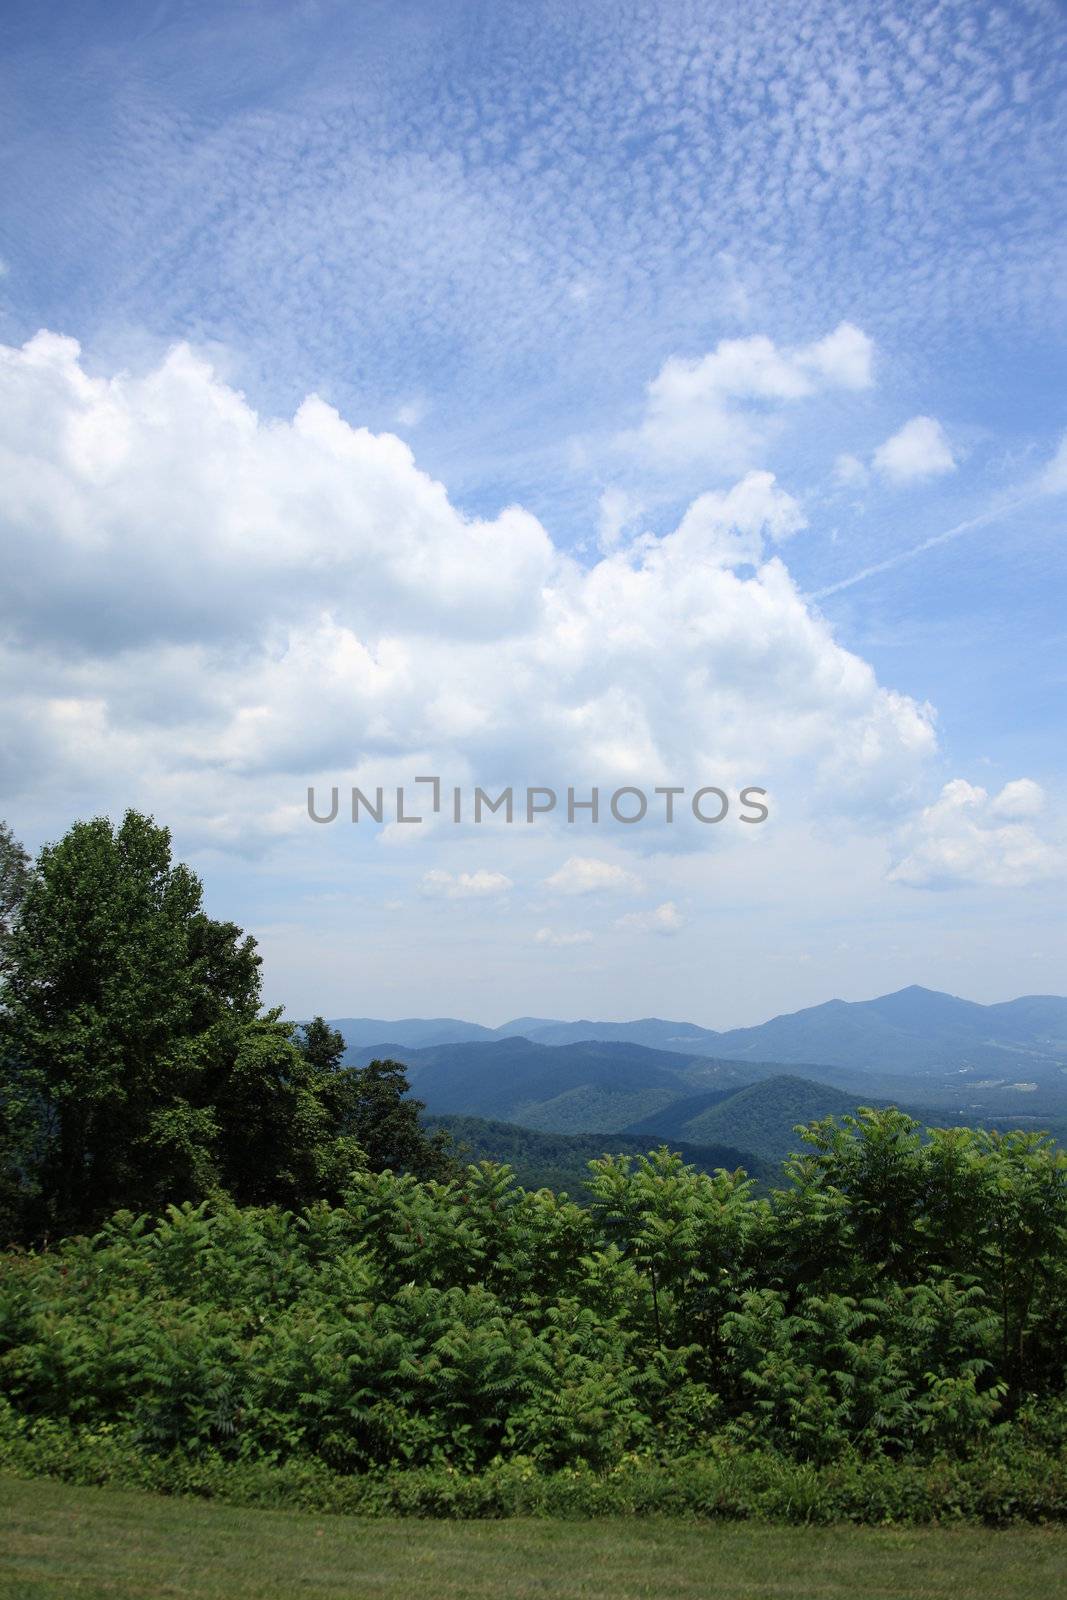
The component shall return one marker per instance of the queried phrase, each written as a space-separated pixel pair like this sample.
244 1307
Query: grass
57 1541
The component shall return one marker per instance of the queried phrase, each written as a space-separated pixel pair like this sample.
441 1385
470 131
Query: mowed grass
57 1541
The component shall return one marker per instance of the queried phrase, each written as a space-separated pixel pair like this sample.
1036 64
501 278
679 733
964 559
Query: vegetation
581 1088
61 1542
900 1300
274 1285
922 1047
136 1066
14 881
561 1160
757 1117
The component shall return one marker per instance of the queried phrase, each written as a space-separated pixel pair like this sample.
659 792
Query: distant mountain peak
912 1032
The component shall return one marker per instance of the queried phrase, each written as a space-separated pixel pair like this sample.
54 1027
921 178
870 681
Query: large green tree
136 1066
374 1107
383 1118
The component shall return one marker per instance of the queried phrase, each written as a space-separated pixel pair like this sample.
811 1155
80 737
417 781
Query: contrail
927 544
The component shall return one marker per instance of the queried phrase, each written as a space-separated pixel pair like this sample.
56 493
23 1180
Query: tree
322 1045
116 983
282 1118
136 1067
373 1104
384 1120
15 876
16 1110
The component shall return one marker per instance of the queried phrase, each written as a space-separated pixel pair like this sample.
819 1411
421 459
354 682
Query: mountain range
915 1030
941 1058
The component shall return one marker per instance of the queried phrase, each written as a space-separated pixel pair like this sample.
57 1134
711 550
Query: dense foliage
136 1064
14 881
898 1298
561 1160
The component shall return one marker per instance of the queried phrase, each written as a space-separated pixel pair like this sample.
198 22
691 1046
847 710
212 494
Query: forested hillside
603 1087
589 1087
760 1118
612 1083
561 1161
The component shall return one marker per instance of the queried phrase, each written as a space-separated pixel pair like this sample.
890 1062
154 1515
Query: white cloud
968 836
1054 478
849 469
718 407
664 919
919 450
731 528
563 940
198 598
1020 798
465 885
168 503
589 875
843 359
462 237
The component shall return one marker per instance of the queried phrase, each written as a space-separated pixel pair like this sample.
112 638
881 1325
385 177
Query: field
60 1541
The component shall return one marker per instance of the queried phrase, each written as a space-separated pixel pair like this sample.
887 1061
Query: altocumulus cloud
200 597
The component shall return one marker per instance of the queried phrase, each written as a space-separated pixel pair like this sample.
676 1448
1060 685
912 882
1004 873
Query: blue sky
725 345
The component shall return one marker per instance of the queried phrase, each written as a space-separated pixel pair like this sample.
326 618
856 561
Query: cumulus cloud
465 885
919 450
164 506
562 940
664 919
732 528
589 875
842 360
1020 798
716 408
969 836
198 597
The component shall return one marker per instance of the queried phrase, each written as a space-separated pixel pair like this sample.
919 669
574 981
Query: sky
627 395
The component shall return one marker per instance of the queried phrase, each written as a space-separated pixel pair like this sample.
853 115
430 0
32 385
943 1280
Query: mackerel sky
600 394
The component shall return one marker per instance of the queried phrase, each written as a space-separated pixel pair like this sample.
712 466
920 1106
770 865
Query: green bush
464 1346
1013 1482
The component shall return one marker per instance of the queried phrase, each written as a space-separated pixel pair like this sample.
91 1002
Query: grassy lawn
57 1541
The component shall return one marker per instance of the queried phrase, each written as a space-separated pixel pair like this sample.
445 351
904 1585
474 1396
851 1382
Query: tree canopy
14 881
136 1062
